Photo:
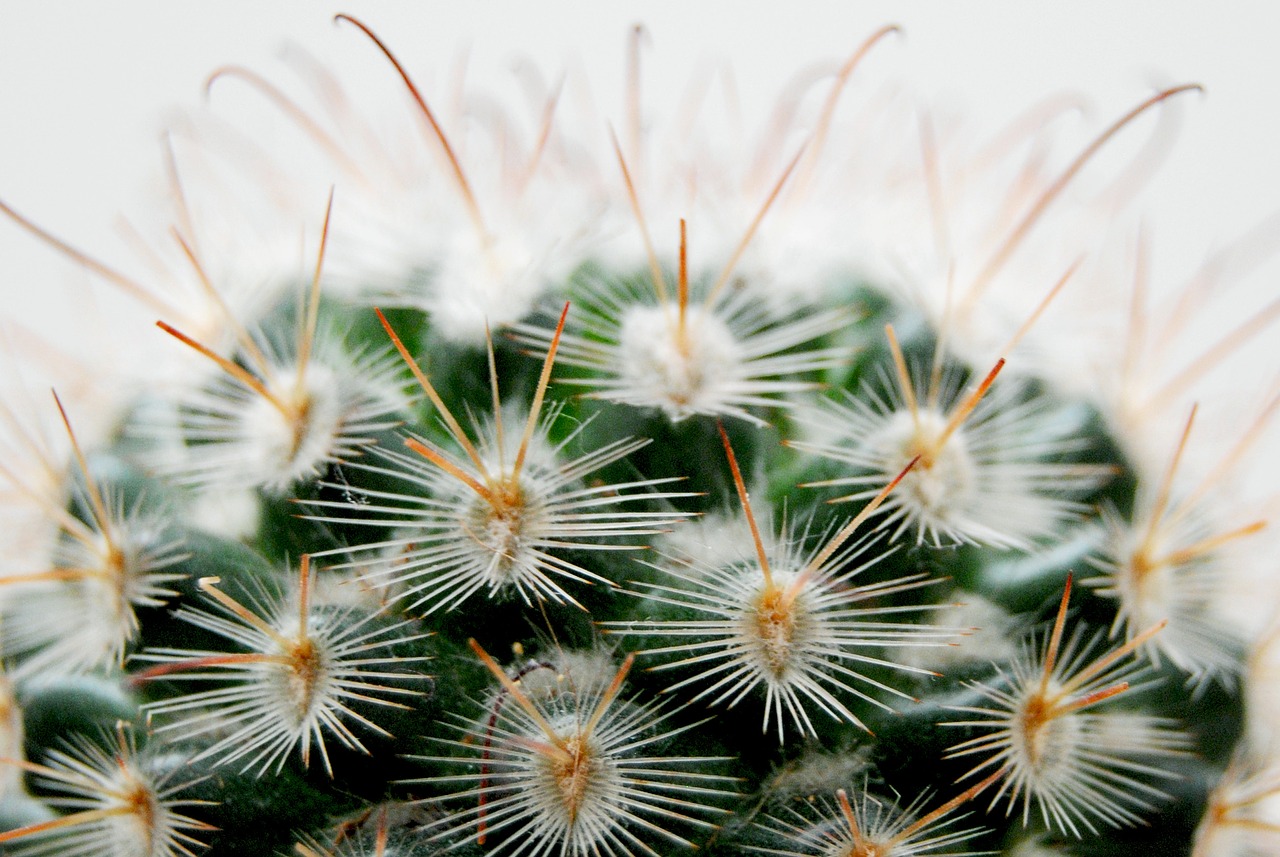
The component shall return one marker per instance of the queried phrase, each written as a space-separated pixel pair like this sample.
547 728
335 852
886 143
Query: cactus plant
563 502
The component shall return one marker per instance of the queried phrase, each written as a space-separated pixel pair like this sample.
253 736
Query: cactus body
487 533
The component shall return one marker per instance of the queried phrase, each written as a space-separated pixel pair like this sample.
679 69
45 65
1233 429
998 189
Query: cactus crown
522 538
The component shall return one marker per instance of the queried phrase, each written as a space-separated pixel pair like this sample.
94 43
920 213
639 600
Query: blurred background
86 89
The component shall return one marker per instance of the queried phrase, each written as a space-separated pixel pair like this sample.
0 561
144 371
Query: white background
84 90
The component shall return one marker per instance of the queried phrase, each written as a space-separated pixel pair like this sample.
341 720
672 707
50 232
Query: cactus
562 505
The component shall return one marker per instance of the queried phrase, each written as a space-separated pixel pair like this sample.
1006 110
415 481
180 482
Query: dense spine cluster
487 533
